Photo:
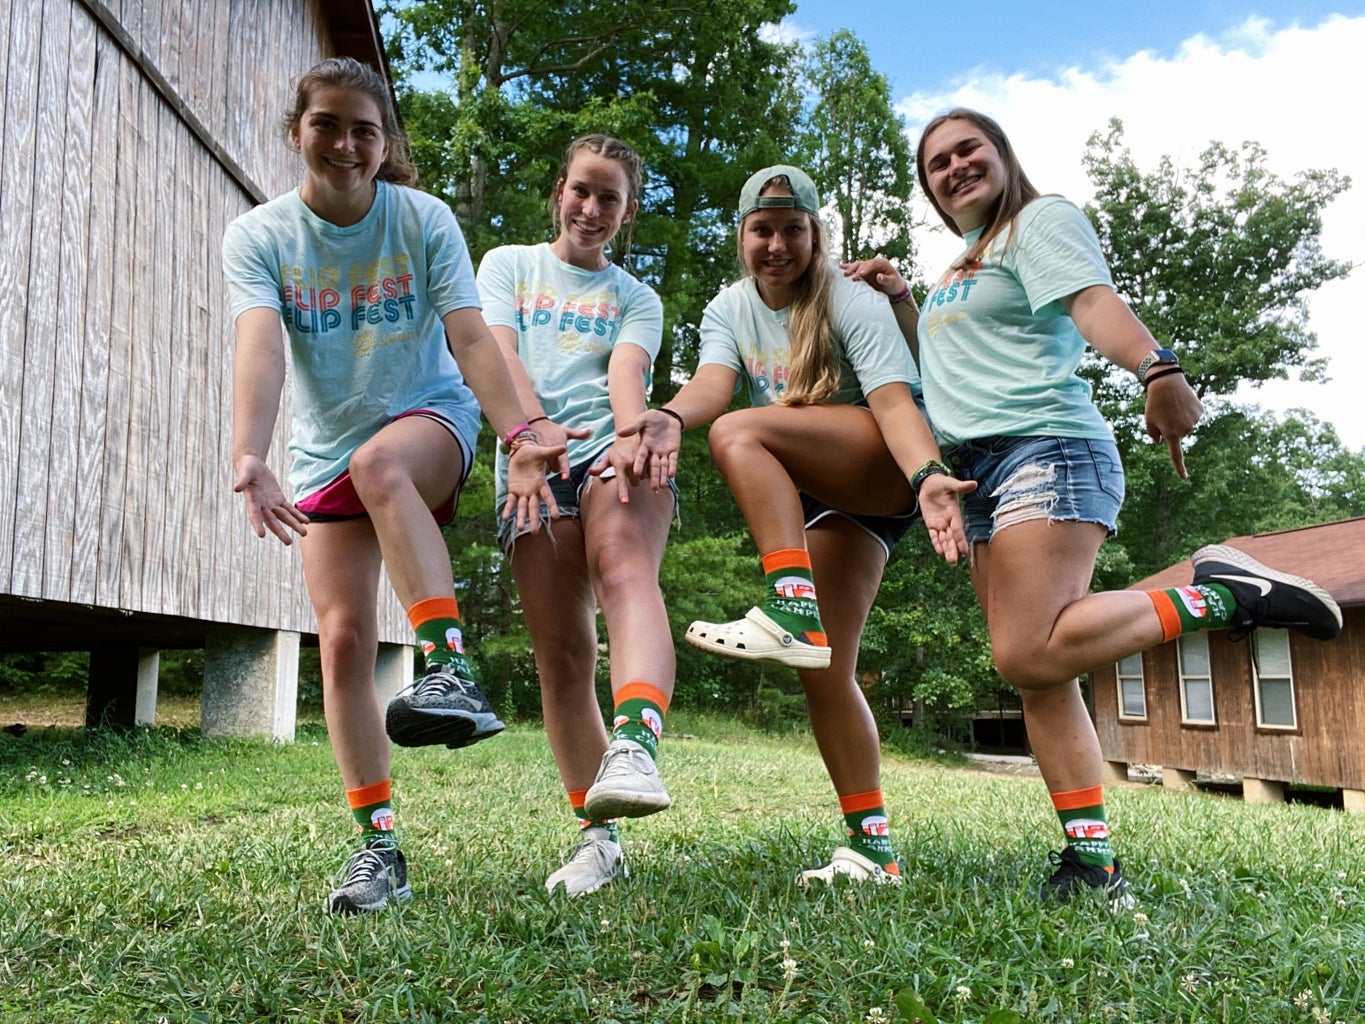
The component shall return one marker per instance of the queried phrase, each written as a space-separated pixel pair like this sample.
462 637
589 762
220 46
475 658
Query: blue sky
1283 73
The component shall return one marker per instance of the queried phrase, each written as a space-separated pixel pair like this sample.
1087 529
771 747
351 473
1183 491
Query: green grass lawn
159 877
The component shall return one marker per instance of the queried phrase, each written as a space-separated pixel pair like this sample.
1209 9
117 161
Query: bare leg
848 567
341 566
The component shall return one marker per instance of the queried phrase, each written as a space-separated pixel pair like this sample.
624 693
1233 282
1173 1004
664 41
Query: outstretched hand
551 435
528 486
942 512
656 453
266 506
1171 412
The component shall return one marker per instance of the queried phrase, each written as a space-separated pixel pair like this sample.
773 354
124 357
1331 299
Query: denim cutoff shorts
1019 479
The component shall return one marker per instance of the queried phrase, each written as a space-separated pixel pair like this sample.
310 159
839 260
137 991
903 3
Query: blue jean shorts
568 496
1019 479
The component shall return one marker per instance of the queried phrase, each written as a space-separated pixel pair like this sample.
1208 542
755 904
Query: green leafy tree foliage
855 146
1217 260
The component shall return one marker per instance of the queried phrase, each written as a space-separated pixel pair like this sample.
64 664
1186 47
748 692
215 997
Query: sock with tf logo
865 816
790 601
577 797
1189 609
1087 829
372 808
639 715
440 634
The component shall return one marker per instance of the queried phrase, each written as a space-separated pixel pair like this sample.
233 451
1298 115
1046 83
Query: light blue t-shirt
738 330
998 351
362 307
568 321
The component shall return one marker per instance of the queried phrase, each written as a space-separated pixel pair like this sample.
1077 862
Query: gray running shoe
627 786
441 707
595 860
850 864
1265 596
373 875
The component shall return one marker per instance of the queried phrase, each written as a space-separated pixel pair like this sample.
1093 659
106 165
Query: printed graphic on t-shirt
943 304
580 317
367 299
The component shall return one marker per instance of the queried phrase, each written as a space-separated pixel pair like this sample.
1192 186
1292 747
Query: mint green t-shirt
739 331
568 321
362 308
998 351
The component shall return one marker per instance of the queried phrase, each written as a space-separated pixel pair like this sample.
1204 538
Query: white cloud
1294 91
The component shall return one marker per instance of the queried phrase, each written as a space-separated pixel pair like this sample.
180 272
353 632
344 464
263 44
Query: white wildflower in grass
1139 918
962 993
867 943
1303 1000
1068 963
876 1015
1320 1016
1190 982
784 945
1341 875
604 926
1323 918
789 968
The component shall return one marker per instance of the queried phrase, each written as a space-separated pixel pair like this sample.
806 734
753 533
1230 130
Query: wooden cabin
133 133
1274 709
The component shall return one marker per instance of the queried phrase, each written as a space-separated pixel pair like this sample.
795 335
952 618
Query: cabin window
1132 688
1196 684
1274 680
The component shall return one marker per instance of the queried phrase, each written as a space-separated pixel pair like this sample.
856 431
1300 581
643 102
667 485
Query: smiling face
593 200
341 139
965 173
777 247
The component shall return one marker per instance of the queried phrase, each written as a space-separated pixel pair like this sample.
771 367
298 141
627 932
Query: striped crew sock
1087 828
440 634
1189 609
791 599
865 816
639 715
372 808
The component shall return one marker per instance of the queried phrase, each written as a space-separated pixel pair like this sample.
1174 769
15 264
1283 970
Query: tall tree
1217 260
854 146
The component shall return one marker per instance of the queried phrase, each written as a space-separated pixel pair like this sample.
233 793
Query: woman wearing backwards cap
831 465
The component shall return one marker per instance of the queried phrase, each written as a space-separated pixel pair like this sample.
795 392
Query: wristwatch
1157 357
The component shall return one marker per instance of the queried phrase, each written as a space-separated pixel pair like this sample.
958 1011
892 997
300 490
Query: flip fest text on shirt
953 286
591 313
379 292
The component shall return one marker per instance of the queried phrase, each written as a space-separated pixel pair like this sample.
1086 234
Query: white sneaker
595 860
848 864
757 637
627 785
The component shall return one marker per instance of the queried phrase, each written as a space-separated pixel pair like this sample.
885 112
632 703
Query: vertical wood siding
133 133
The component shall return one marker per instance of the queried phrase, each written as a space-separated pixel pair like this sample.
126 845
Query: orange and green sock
440 634
577 797
865 816
1189 609
1087 828
639 715
372 808
791 601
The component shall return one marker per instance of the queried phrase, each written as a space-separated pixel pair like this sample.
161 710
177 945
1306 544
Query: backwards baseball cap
803 197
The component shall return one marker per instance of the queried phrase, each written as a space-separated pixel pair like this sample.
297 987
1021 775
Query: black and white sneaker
373 875
1074 876
1265 596
441 707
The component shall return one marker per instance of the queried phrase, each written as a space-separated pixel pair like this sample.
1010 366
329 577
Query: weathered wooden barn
133 133
1273 709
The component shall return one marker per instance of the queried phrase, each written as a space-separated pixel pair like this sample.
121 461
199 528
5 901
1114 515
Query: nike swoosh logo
1260 584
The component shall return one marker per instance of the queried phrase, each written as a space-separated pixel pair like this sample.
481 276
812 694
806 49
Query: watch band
1157 357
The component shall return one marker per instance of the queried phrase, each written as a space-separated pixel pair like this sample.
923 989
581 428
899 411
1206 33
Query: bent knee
376 473
732 434
1024 668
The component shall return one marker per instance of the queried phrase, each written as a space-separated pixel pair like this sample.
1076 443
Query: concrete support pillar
251 683
1353 801
1177 780
1113 772
392 671
121 691
1262 791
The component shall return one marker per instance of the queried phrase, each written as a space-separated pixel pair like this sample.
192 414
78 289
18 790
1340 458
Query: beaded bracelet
1147 380
676 415
931 468
896 300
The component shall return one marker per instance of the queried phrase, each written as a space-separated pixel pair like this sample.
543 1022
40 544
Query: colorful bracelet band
515 440
931 468
896 300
